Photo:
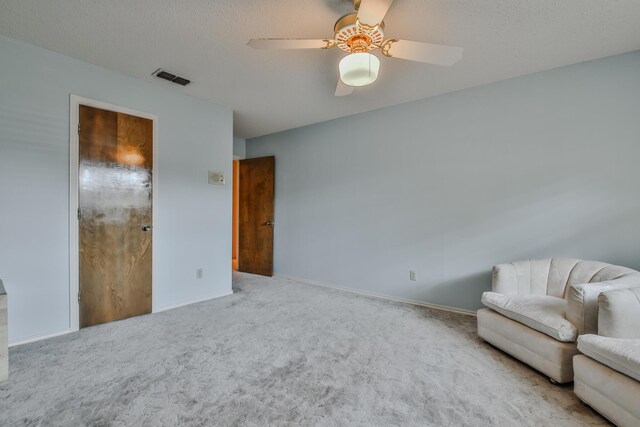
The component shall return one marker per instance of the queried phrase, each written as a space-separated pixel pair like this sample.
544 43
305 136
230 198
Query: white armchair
538 308
607 374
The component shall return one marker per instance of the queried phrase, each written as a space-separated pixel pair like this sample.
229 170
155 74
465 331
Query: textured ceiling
270 91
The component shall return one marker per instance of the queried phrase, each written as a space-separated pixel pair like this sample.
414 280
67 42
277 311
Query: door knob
269 223
146 228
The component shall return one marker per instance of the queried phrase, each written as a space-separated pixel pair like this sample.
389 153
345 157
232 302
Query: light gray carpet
280 352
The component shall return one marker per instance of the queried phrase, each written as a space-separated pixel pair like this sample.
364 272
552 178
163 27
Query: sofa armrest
582 304
619 313
504 279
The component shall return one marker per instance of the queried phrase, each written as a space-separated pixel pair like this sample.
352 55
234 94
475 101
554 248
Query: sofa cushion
543 313
620 354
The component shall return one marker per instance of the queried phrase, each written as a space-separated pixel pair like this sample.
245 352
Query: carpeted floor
280 352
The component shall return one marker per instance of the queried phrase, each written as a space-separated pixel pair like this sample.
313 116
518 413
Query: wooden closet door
255 215
115 199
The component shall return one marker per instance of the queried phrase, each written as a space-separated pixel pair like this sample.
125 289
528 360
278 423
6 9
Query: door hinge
79 214
78 128
78 297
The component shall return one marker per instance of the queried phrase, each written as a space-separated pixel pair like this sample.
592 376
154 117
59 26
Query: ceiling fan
360 33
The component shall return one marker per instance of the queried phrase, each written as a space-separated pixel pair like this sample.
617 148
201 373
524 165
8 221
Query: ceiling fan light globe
359 69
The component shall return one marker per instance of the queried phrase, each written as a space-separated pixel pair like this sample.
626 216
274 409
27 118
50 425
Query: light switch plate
216 178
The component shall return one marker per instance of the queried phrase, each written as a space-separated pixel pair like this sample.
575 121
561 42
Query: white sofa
607 374
539 307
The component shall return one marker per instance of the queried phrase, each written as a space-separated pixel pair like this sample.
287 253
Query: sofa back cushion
553 276
521 277
619 313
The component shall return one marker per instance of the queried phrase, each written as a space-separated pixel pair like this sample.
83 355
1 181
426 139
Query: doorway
236 196
253 215
112 155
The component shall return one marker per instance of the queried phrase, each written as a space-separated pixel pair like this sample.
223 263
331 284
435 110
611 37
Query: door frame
234 219
74 162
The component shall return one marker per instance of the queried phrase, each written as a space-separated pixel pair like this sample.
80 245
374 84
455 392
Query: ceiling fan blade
429 53
372 12
291 43
343 89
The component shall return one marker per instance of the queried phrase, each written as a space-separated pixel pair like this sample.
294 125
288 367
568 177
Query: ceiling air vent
171 77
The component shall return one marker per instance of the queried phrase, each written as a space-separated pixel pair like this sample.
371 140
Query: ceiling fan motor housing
353 37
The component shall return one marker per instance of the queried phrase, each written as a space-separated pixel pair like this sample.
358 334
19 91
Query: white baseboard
67 331
171 307
382 296
39 337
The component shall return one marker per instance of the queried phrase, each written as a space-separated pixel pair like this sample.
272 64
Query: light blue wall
539 166
239 148
192 219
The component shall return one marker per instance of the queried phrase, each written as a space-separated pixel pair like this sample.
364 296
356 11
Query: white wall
239 147
192 219
539 166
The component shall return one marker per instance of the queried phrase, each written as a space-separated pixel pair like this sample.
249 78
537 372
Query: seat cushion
620 354
543 313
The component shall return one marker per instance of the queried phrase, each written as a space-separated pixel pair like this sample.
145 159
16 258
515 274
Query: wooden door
115 199
255 216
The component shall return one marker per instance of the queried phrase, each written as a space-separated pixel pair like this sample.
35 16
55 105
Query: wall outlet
199 273
216 178
412 275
